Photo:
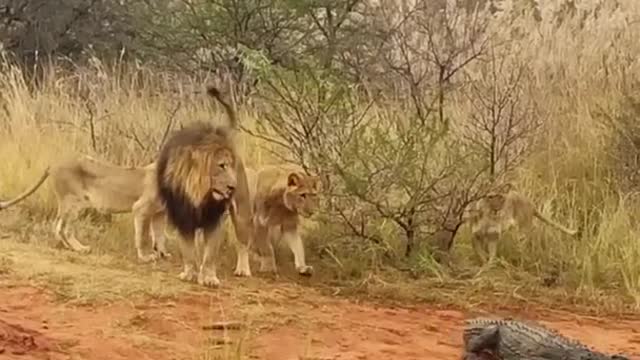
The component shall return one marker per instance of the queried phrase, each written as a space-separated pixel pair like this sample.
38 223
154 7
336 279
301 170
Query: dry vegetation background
408 110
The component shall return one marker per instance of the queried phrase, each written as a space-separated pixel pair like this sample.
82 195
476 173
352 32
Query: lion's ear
293 180
316 182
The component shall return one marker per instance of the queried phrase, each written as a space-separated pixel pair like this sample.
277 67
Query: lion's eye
304 196
223 166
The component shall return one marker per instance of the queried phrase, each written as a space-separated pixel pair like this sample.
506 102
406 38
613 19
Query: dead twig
220 341
223 325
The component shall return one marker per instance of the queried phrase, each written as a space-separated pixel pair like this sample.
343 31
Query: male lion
496 213
280 195
199 176
84 182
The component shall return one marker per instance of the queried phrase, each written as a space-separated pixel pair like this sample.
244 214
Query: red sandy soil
303 326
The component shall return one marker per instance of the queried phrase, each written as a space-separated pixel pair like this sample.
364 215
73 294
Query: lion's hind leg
141 226
263 239
207 275
148 221
68 209
158 223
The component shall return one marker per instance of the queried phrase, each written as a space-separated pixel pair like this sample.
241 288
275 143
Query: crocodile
508 339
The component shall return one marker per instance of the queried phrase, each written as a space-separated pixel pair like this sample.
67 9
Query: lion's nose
231 188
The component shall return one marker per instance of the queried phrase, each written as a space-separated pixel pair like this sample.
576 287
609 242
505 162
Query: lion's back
273 178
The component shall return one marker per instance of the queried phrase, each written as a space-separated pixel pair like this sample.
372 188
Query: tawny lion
199 176
84 182
495 214
280 195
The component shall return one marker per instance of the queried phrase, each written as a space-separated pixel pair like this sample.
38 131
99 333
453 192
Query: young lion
84 182
199 176
280 194
494 214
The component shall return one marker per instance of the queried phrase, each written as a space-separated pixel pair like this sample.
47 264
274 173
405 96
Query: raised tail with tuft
231 112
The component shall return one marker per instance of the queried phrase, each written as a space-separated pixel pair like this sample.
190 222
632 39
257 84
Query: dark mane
181 210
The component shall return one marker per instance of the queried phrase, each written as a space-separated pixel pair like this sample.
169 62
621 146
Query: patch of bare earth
16 340
294 324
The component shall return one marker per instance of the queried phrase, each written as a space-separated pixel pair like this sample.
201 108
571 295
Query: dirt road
282 323
60 305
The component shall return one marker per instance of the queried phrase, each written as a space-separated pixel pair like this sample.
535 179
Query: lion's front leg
187 250
492 246
212 240
294 241
478 244
242 225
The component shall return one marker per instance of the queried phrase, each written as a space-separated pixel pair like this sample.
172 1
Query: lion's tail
6 204
231 112
554 224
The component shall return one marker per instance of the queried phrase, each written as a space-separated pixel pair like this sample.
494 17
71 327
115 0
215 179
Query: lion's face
495 202
301 194
223 177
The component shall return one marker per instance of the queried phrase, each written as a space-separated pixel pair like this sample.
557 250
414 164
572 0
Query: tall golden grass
575 68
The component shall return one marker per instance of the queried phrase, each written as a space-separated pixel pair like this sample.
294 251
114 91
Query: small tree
392 160
502 118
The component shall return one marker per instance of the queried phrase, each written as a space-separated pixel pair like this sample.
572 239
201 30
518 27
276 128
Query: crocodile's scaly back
516 340
535 332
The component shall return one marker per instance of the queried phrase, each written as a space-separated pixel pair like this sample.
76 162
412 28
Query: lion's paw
161 253
75 245
242 267
267 269
79 248
209 280
242 272
85 250
306 270
267 265
188 274
147 258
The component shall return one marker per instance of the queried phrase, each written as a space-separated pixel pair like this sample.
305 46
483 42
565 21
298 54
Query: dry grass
574 70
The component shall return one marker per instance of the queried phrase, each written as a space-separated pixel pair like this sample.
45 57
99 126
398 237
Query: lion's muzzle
305 213
225 194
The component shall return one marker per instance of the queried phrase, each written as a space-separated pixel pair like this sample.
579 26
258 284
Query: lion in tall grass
83 182
496 213
199 179
281 194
